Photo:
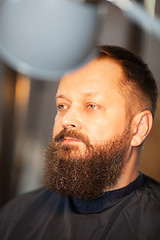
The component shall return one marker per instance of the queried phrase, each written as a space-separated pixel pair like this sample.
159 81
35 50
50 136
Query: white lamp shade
46 38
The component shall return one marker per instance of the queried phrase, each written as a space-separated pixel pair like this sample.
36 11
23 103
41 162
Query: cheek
97 130
57 127
103 128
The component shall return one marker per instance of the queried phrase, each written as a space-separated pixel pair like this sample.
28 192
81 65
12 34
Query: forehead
96 77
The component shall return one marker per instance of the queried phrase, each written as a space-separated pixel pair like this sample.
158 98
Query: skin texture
89 102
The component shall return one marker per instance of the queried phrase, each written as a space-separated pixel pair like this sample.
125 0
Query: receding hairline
129 90
137 74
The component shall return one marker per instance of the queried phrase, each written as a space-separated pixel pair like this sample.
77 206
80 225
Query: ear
141 126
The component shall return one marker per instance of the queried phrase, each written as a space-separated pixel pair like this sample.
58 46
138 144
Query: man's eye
61 107
92 106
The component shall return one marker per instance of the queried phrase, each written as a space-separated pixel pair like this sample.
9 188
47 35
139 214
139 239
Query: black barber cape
129 213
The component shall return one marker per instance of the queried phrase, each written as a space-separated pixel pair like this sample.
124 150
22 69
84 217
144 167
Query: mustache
71 134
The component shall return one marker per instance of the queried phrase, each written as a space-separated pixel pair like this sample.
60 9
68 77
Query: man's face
91 134
88 101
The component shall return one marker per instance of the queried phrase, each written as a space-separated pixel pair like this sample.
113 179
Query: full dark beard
84 175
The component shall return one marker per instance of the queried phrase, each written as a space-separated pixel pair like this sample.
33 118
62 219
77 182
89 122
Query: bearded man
93 188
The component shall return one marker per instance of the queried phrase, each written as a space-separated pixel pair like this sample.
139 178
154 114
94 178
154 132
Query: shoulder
28 202
25 198
146 203
29 211
148 214
152 188
21 201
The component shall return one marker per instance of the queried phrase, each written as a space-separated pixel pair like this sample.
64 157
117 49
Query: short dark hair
138 83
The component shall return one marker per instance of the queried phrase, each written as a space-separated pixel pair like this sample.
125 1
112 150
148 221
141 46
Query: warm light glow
150 6
22 90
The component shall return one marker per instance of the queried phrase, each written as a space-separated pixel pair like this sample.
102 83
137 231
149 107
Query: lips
71 137
70 140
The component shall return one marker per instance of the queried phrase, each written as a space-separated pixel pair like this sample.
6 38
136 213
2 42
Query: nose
70 121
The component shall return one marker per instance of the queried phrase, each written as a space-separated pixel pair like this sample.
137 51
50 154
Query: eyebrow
86 94
62 96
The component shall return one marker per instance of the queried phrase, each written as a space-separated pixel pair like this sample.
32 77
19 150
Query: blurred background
27 108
